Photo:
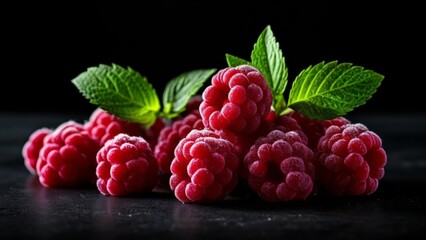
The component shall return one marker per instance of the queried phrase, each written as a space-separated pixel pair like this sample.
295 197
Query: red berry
31 148
103 126
279 167
169 138
350 160
126 165
205 167
237 100
68 157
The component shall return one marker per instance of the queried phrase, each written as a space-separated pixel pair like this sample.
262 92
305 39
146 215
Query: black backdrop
45 45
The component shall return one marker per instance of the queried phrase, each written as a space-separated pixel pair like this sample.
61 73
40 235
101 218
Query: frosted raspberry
237 100
205 168
280 168
350 160
315 129
31 148
103 126
68 157
126 165
169 138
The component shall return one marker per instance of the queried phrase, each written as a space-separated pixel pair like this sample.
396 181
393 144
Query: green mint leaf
180 89
329 90
122 92
234 61
267 57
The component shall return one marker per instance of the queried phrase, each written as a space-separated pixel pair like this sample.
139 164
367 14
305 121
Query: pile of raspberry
106 151
228 137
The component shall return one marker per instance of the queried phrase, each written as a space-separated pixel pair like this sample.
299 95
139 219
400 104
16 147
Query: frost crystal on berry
205 167
237 100
279 167
350 160
126 165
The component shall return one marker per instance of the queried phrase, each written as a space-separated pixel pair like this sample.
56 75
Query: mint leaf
234 61
122 92
267 57
180 89
329 90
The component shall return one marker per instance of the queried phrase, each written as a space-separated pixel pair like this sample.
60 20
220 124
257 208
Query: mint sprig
327 90
122 92
323 91
180 89
128 95
267 57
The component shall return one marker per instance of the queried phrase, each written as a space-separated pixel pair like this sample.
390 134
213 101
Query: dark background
45 45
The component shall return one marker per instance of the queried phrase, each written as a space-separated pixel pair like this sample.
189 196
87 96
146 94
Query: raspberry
103 126
315 129
237 100
68 157
169 138
126 165
350 160
205 167
280 168
31 148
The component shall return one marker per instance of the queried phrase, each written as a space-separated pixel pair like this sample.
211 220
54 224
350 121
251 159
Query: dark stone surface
395 210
